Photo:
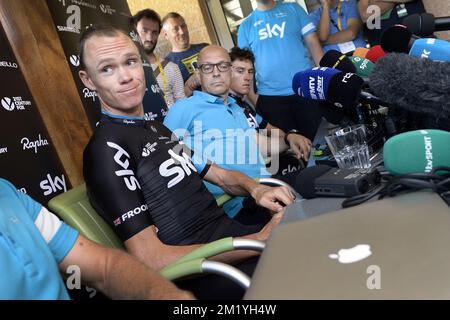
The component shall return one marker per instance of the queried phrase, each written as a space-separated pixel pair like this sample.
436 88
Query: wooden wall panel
32 34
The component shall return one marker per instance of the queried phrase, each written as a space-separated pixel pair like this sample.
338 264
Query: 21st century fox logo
17 103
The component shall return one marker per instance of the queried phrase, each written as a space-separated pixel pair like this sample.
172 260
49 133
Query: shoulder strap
164 63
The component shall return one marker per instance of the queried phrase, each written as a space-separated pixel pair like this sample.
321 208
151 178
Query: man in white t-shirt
168 75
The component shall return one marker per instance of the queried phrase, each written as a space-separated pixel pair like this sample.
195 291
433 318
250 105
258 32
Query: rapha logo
52 185
16 102
34 145
106 8
88 94
74 60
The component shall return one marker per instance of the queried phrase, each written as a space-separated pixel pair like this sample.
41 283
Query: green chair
75 209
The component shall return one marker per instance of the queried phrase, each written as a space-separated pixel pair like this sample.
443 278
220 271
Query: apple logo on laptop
351 255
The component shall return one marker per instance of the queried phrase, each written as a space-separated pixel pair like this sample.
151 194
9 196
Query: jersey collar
129 121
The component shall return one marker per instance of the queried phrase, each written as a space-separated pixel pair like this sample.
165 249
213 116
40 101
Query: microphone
323 180
363 66
413 84
337 60
375 53
397 39
360 52
425 24
431 48
417 151
322 83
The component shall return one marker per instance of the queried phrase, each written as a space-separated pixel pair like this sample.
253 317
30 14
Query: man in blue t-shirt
283 40
339 25
216 127
35 246
183 53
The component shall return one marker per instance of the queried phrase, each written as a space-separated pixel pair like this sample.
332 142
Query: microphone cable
408 182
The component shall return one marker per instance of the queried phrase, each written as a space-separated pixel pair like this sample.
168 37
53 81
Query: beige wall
192 10
439 8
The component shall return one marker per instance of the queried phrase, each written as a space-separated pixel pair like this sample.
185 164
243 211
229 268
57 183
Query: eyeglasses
209 67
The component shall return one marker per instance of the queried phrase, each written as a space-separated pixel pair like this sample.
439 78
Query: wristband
294 131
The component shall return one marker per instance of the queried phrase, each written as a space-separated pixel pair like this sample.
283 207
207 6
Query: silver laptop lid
396 248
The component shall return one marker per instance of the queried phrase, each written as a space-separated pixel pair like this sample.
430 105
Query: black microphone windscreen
413 84
305 184
344 89
337 60
420 24
396 39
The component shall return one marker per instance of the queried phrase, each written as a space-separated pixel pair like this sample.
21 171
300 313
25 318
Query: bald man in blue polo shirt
212 124
35 246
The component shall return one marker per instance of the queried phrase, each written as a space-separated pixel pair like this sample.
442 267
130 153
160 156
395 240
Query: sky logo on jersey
178 166
272 31
122 159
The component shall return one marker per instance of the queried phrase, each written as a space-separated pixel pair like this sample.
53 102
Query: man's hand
272 198
264 233
192 83
176 294
300 145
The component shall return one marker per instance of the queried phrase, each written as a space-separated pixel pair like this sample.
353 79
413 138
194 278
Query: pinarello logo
8 104
75 60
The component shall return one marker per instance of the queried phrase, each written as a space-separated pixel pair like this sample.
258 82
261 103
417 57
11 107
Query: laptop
396 248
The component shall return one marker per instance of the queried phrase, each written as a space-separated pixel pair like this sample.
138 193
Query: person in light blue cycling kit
339 26
284 42
35 246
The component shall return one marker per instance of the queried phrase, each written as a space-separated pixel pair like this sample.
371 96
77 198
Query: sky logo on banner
52 185
75 60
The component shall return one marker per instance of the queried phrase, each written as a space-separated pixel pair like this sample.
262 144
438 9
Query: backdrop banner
27 155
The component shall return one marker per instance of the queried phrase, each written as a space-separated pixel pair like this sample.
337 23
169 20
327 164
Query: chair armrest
208 250
201 265
222 245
